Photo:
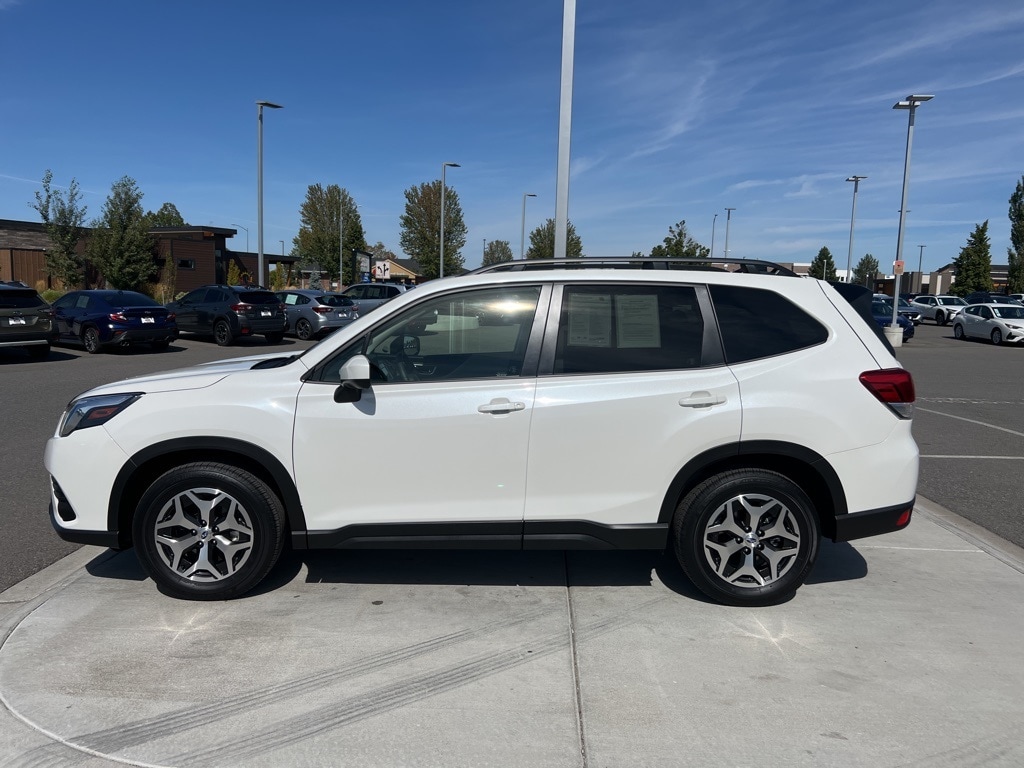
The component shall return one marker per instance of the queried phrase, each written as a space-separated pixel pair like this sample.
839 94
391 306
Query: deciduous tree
496 252
1015 278
421 229
63 216
320 241
974 264
120 245
679 245
823 267
542 242
166 216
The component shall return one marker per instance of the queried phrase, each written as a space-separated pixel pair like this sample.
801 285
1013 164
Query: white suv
942 309
731 416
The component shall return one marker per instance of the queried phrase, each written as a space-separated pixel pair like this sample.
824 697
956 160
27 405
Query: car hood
196 377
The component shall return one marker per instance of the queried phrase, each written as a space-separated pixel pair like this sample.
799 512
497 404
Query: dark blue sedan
100 318
881 310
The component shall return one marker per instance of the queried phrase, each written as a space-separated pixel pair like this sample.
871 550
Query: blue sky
679 111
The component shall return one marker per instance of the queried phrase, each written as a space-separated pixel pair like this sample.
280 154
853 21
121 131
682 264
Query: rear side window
757 323
623 328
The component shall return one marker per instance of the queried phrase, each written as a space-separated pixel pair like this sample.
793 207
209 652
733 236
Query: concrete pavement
901 650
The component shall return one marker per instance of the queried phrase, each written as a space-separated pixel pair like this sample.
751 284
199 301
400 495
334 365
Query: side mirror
355 377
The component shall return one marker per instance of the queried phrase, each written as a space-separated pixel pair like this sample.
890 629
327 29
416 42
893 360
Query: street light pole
440 269
920 259
246 235
713 222
259 184
728 218
911 103
853 215
522 230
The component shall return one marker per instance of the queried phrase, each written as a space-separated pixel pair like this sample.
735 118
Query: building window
186 263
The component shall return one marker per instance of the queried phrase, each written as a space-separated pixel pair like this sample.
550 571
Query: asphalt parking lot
900 650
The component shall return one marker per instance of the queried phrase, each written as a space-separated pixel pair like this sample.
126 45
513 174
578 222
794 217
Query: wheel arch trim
827 493
143 467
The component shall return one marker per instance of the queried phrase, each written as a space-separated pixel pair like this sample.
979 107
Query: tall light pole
564 129
440 269
259 184
911 103
728 218
853 215
246 235
713 222
522 230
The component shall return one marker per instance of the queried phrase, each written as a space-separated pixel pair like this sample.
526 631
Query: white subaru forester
732 415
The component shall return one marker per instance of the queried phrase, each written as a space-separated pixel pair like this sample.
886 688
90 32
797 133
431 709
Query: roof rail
754 266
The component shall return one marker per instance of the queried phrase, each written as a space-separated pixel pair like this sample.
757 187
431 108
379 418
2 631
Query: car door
441 434
626 395
64 312
971 321
187 310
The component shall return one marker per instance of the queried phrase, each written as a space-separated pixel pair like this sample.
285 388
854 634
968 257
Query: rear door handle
501 405
701 399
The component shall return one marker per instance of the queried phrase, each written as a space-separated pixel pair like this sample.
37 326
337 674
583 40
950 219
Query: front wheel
997 336
208 531
940 318
746 537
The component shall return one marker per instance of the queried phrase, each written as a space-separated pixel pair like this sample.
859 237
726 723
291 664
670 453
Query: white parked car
942 308
1000 323
733 417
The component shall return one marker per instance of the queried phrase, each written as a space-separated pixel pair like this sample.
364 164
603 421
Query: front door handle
501 405
701 399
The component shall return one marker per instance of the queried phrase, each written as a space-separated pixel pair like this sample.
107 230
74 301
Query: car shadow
548 568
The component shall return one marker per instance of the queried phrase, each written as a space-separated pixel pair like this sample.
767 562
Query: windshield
952 301
1009 313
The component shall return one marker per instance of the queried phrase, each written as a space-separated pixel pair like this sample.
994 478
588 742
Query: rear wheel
91 340
958 332
746 537
208 531
222 333
997 336
303 329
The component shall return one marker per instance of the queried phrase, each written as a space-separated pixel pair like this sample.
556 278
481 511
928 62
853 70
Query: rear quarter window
757 323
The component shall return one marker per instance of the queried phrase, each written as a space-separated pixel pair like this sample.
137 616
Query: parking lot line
972 421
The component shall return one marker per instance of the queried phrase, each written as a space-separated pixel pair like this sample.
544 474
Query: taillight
117 317
894 387
170 316
323 310
241 307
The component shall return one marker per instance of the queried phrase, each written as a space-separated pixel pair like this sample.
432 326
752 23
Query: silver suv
371 295
732 417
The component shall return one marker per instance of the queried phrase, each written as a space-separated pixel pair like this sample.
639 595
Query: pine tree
542 242
823 267
496 252
865 271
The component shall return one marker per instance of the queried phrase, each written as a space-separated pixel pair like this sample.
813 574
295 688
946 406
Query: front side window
757 323
481 334
624 328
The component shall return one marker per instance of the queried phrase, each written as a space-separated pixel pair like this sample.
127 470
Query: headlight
93 411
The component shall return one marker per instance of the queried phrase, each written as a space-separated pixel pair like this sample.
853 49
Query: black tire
91 340
244 534
38 351
997 336
160 346
222 333
304 329
958 332
940 318
275 338
736 566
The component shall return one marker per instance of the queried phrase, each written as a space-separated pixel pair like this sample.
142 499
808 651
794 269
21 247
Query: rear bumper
872 522
146 335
